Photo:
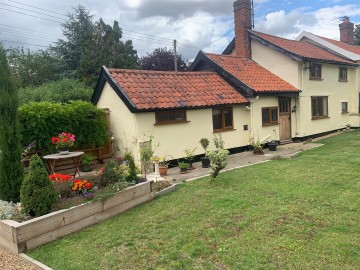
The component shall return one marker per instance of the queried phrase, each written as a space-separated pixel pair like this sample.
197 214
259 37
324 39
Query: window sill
343 80
171 123
345 112
270 124
320 117
223 130
316 79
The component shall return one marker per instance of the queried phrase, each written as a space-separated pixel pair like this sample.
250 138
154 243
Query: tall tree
162 59
90 45
32 69
357 34
11 171
78 31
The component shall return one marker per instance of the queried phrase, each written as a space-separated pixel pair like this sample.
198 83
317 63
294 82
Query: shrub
11 171
218 157
59 91
7 209
132 177
109 174
37 192
41 121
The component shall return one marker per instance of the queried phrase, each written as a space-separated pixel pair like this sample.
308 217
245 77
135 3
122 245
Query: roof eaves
292 55
105 76
225 74
229 48
193 107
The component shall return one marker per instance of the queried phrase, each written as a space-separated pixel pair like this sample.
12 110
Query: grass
300 213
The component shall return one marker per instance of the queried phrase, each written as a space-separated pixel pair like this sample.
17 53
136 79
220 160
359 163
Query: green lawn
301 213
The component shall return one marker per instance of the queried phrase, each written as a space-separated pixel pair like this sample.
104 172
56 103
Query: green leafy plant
62 91
183 165
147 152
132 175
218 157
257 146
204 143
37 194
41 120
87 159
108 174
190 155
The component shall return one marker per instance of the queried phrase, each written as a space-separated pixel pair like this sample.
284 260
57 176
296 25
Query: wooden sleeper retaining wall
19 237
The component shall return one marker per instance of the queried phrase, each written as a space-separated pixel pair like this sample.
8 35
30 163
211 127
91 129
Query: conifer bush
37 194
11 170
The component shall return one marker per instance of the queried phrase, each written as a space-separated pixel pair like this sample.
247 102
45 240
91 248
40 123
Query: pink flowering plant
63 140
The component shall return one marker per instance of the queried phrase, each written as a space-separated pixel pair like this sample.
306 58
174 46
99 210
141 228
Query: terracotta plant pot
163 171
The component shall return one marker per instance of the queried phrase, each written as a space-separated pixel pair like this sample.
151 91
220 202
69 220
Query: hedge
59 91
40 121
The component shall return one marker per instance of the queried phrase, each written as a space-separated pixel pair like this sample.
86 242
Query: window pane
217 119
325 110
274 115
170 116
313 105
265 116
344 106
228 117
319 108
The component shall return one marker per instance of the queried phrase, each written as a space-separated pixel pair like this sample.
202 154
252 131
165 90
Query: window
170 117
315 71
222 119
342 74
319 107
344 107
269 116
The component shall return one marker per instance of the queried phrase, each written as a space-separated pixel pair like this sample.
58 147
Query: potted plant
204 160
63 142
190 155
183 166
272 145
85 162
163 165
257 146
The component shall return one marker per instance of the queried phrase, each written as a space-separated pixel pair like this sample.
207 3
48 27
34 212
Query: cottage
262 87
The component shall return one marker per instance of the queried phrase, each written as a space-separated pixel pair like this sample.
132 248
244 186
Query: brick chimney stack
347 31
243 21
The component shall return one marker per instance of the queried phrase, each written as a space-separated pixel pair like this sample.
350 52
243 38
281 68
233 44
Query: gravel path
9 261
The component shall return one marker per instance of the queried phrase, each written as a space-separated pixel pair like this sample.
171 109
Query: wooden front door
285 118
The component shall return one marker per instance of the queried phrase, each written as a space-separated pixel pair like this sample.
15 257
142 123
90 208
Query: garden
272 215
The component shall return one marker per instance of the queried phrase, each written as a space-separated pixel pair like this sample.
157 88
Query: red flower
88 185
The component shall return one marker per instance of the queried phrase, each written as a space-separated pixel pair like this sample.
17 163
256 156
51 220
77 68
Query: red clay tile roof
169 90
343 45
252 74
302 49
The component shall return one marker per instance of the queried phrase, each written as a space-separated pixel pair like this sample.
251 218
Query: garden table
51 160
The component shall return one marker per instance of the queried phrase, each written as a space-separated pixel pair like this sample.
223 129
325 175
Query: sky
195 24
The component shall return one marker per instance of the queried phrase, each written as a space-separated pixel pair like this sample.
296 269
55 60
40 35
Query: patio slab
240 160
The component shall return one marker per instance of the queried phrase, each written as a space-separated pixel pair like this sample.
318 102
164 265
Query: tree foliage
37 192
11 171
31 69
90 45
62 91
357 34
162 59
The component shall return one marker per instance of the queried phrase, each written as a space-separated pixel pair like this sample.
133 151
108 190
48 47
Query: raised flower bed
19 237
